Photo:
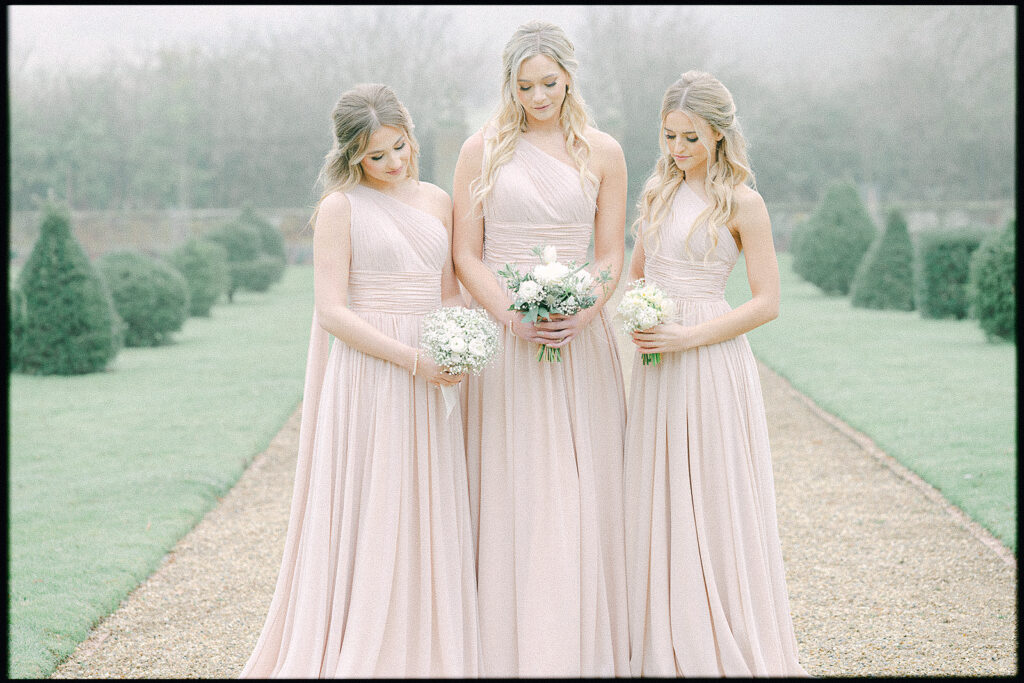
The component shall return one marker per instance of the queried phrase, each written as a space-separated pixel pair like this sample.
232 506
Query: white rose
584 278
477 348
550 254
547 272
529 290
457 344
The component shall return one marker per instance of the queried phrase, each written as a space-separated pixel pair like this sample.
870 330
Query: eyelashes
381 156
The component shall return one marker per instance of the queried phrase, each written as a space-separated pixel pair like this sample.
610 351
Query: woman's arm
754 226
451 293
468 243
331 258
637 261
609 239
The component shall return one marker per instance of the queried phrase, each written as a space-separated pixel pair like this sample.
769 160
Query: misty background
192 108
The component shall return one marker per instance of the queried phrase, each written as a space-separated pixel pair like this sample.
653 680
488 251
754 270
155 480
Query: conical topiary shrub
70 325
205 267
150 296
271 239
885 276
833 240
992 284
242 244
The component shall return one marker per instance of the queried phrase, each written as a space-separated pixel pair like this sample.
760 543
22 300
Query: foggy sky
781 40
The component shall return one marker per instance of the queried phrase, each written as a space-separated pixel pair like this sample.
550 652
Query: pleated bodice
537 199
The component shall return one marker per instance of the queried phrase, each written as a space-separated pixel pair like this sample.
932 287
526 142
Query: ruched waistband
506 242
691 280
394 292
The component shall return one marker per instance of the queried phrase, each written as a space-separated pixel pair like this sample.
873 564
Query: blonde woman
544 439
707 589
377 578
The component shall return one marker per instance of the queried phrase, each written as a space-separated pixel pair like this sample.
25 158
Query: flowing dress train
707 589
377 578
544 449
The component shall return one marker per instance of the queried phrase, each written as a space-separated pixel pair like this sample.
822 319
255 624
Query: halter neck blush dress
544 449
707 588
377 578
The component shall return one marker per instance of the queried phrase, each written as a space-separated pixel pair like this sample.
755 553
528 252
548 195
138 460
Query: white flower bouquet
459 340
552 288
643 306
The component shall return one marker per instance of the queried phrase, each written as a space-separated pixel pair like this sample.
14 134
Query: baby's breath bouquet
552 288
459 340
644 306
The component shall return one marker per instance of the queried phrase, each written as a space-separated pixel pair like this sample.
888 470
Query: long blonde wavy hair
532 39
699 95
358 114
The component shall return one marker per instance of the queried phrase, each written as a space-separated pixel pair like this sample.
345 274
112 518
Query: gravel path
885 578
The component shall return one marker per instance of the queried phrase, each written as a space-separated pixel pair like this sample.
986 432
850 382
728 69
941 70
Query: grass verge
933 394
106 472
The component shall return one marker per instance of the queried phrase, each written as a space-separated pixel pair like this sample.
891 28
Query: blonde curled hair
358 114
699 95
532 39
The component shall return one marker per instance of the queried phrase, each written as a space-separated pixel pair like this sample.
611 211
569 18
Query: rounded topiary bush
992 280
942 270
832 242
259 274
150 296
242 244
885 276
271 239
70 326
204 265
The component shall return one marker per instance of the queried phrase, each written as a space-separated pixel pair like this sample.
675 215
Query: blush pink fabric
544 448
707 588
377 578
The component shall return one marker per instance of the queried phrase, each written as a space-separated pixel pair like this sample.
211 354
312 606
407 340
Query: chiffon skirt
707 591
377 578
544 449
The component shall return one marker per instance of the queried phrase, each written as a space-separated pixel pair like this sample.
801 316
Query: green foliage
255 250
942 270
242 246
831 243
16 310
259 274
992 279
885 276
70 326
204 265
151 296
271 244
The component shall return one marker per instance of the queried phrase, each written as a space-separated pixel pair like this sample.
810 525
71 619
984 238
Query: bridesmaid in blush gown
544 439
707 588
377 578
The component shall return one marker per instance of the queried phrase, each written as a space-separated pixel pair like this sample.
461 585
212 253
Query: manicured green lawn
107 471
931 393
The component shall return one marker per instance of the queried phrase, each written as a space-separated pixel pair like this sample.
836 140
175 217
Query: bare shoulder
335 210
602 143
473 147
750 207
437 199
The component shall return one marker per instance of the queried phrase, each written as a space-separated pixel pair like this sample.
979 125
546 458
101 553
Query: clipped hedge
204 264
150 296
258 275
69 325
831 243
885 277
991 284
942 271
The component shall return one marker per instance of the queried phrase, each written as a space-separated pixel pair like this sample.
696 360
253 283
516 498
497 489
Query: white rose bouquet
644 306
459 340
552 288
